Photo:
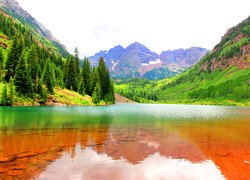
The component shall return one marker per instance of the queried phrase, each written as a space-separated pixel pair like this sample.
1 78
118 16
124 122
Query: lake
125 141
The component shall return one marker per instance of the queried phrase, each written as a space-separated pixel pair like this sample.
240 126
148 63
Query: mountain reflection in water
125 142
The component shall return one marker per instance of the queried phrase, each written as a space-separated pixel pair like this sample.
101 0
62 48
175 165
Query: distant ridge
137 61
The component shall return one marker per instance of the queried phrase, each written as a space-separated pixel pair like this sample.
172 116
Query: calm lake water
125 141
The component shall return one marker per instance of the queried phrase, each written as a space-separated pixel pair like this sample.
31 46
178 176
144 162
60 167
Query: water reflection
88 164
125 141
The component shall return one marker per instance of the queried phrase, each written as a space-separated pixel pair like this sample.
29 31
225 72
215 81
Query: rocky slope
13 8
138 61
183 57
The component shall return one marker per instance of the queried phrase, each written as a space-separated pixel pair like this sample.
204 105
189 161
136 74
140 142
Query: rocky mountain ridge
137 60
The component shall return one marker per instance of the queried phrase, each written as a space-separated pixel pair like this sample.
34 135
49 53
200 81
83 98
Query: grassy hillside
60 98
221 77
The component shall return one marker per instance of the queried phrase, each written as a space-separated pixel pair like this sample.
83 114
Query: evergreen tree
32 60
13 57
81 87
104 77
70 76
22 80
4 99
48 77
96 97
86 72
110 97
77 63
12 91
94 80
41 90
1 64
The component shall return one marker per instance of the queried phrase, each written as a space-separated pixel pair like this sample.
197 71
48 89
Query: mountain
111 57
220 77
159 73
13 9
183 57
137 61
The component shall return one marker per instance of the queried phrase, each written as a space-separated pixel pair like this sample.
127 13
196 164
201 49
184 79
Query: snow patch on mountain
157 61
114 64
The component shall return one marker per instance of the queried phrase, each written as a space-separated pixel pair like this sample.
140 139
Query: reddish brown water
141 149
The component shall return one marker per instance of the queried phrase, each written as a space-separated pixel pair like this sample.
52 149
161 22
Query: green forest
221 77
31 70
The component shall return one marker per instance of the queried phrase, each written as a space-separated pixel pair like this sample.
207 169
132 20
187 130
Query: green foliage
77 63
138 90
12 91
95 78
81 87
104 77
32 61
38 66
22 80
96 97
110 97
159 73
7 26
41 91
70 74
13 57
229 86
86 72
234 49
1 64
48 77
4 99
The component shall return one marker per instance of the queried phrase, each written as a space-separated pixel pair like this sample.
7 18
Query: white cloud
159 24
87 164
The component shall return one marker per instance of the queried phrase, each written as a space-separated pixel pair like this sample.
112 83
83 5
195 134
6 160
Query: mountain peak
137 44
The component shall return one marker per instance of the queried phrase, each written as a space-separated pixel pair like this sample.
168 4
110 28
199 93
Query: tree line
32 70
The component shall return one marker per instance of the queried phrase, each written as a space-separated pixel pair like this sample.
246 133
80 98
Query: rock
8 159
25 155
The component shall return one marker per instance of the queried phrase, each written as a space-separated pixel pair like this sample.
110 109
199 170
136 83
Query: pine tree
22 80
96 97
1 64
77 63
110 97
104 77
4 99
48 77
86 72
94 80
41 90
81 87
32 60
13 57
70 76
12 91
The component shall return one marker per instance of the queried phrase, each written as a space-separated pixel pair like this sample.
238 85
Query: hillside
36 69
137 61
12 8
221 77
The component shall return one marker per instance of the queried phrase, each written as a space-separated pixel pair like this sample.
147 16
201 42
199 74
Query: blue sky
94 25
